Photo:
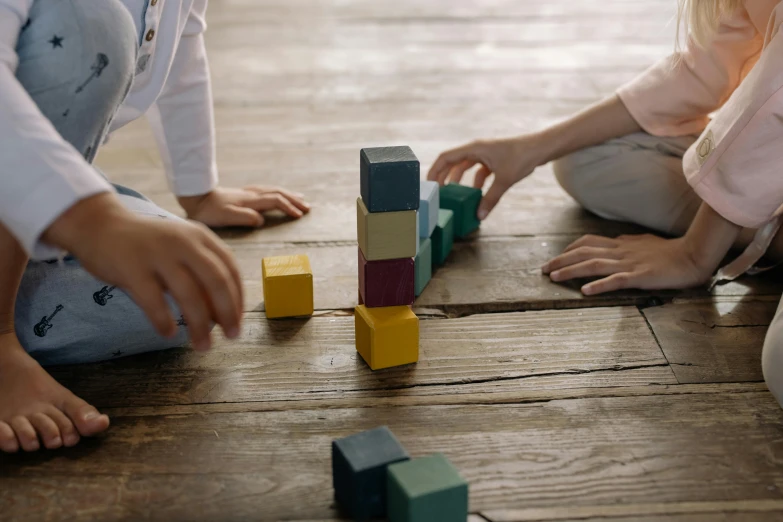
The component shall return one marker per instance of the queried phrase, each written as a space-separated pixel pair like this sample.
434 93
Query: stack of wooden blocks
387 330
374 477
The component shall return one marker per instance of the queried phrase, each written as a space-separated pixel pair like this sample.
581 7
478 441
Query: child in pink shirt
652 155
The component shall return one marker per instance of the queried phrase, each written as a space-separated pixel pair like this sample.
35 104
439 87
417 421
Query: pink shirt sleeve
737 164
675 99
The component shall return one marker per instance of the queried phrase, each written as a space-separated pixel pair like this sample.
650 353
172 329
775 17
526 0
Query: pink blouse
736 166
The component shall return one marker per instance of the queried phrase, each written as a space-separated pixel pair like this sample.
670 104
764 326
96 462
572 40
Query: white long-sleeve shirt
41 175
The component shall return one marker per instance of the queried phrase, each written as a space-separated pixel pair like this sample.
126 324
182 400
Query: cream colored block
386 235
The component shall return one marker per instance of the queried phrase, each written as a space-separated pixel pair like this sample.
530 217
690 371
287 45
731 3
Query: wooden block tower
387 330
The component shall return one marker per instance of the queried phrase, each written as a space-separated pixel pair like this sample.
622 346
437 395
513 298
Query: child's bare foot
35 409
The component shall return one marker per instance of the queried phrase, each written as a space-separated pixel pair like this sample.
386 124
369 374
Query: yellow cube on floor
288 286
388 336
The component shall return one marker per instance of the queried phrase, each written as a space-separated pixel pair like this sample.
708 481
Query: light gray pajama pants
639 179
77 59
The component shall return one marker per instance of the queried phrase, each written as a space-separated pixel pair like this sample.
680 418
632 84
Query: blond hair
702 17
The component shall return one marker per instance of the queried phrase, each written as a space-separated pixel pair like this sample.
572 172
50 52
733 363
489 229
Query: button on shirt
171 87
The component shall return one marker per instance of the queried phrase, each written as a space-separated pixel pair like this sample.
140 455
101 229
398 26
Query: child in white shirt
134 277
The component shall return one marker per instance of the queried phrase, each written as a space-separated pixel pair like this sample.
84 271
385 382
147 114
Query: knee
83 45
576 174
772 361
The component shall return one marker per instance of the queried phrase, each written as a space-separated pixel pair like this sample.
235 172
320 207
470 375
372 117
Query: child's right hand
148 257
510 160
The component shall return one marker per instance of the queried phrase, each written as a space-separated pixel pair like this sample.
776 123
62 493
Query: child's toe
47 430
8 442
68 433
85 417
25 433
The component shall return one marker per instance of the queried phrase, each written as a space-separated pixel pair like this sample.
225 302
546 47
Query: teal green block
426 490
423 265
443 237
464 202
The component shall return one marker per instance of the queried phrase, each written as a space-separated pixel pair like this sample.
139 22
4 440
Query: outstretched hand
509 160
646 262
242 207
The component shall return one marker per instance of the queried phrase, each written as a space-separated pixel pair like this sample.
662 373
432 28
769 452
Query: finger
67 430
456 172
224 253
25 433
481 177
8 441
590 268
275 202
296 198
591 240
448 159
235 216
47 430
188 294
221 289
618 281
148 294
578 255
491 198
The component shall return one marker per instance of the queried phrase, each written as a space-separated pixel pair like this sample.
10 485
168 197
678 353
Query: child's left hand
231 207
644 261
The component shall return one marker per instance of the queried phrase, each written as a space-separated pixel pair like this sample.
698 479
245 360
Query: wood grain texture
729 511
316 359
625 450
479 276
715 340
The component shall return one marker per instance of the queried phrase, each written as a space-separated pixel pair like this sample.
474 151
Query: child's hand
229 207
510 160
148 256
643 261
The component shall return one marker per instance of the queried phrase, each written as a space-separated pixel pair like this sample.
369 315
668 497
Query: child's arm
183 122
513 159
647 261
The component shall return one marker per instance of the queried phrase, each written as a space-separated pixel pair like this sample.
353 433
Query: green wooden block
443 237
464 202
426 490
423 265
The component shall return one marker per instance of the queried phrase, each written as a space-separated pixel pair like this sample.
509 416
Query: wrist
83 216
191 204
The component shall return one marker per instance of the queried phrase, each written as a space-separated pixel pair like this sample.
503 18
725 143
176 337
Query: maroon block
386 283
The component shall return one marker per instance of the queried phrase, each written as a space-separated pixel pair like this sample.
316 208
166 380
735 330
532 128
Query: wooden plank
715 340
639 450
486 275
721 511
316 360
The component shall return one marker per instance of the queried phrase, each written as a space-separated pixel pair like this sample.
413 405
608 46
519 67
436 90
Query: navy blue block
359 465
390 179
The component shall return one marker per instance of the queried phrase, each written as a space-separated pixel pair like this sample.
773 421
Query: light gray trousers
63 314
639 179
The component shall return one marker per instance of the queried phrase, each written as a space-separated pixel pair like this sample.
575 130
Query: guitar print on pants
45 325
101 62
103 295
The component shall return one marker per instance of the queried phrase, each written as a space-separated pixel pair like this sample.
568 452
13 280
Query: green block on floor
464 202
443 237
426 490
423 265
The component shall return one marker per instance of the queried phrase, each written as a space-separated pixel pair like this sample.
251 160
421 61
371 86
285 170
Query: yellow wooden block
387 337
386 235
288 286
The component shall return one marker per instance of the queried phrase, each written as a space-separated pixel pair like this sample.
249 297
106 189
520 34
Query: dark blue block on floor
359 465
390 179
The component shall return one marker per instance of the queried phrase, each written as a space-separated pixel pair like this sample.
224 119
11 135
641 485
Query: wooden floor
632 406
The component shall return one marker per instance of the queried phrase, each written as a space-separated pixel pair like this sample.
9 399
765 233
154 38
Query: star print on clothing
56 41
